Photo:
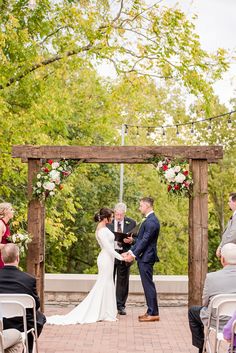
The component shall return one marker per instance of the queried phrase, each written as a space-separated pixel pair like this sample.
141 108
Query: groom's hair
148 199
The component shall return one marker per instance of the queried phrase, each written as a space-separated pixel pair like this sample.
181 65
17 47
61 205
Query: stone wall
70 289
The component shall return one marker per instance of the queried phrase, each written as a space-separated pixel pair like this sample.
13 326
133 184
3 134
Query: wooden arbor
198 156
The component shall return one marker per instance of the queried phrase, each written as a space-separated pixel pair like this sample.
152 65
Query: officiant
122 224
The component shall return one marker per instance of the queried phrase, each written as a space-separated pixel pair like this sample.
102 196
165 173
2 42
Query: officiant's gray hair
120 206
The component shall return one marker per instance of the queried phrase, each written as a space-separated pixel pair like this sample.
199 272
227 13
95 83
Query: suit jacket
13 281
229 234
129 224
145 248
219 282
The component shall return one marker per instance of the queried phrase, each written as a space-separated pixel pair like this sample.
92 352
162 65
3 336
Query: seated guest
12 341
14 281
219 282
227 331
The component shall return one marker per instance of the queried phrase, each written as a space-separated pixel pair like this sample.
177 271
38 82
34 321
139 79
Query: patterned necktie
119 230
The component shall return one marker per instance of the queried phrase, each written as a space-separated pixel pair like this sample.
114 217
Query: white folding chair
233 334
29 303
220 305
1 337
11 309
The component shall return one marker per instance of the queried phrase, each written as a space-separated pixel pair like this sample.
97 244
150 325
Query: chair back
13 308
221 306
1 337
28 302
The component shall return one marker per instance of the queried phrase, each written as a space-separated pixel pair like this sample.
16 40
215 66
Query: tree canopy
51 94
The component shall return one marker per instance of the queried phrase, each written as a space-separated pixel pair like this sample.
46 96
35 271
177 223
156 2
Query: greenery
51 93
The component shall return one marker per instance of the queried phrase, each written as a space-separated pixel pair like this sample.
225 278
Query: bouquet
175 174
51 177
21 240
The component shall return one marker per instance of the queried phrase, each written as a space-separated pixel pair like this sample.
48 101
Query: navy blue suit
145 251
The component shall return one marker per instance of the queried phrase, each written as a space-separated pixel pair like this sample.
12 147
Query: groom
145 252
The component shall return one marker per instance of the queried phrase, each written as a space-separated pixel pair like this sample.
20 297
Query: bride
100 304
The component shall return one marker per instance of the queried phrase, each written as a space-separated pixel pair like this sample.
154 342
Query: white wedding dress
100 303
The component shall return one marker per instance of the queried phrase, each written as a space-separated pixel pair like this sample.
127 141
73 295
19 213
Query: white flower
55 165
57 181
48 186
159 164
177 169
39 184
38 176
170 174
180 178
51 193
21 237
54 174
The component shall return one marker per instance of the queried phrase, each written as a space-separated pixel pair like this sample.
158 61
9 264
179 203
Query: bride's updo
102 214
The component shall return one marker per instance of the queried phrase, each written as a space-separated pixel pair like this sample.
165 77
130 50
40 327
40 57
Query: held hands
128 240
127 257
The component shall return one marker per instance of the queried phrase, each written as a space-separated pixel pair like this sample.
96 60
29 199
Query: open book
120 236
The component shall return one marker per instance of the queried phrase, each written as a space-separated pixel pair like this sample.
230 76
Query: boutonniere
127 222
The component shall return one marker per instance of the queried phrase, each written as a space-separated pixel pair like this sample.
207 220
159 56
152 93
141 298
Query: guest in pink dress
6 213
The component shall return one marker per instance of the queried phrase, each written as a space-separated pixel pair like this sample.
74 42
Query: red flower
185 172
65 173
46 170
176 187
165 167
169 188
50 161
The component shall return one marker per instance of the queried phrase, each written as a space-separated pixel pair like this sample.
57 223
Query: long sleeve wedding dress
100 303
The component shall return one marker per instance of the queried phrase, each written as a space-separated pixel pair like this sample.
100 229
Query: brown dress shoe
141 316
149 318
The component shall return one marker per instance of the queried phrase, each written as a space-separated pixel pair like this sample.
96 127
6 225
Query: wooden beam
198 232
117 154
36 221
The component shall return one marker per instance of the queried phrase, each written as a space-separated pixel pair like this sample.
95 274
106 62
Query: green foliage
51 94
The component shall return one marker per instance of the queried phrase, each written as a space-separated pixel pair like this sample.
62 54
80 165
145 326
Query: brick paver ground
170 335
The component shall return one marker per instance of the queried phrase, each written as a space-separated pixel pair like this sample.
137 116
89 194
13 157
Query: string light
229 122
177 126
148 131
209 127
177 130
192 129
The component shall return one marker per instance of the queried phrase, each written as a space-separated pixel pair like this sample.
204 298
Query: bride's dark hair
102 214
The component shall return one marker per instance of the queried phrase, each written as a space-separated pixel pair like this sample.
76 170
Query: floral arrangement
51 177
175 174
21 240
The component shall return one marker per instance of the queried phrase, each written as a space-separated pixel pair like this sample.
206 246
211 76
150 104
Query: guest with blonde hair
6 213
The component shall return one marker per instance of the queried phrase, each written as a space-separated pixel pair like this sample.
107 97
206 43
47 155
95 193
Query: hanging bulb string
176 126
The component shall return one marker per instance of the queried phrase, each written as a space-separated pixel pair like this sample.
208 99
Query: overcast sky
216 26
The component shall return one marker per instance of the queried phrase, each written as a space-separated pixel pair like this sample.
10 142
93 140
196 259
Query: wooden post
198 231
36 216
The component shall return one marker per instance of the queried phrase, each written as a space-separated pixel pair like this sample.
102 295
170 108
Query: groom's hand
129 258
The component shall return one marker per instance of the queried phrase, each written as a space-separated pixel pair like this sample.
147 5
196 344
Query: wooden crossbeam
117 154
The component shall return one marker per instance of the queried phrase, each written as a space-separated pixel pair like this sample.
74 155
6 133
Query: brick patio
170 335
